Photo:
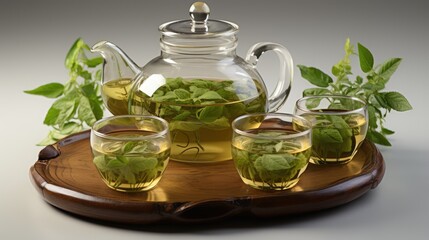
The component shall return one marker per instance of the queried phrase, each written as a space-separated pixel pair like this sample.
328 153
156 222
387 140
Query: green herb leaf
381 100
51 116
388 68
315 76
330 135
139 164
210 95
378 138
74 52
129 146
373 86
78 102
85 112
50 90
366 59
182 116
313 103
94 62
315 92
372 117
70 128
128 175
182 94
368 88
386 131
61 111
96 107
115 164
189 126
100 163
218 124
397 101
210 113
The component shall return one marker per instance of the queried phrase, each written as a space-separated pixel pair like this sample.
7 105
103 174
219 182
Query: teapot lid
199 25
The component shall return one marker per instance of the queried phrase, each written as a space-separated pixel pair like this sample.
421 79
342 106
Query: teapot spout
117 65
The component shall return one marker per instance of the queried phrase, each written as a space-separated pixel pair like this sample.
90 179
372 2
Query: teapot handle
284 84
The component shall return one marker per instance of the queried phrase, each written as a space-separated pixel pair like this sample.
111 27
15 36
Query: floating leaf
210 113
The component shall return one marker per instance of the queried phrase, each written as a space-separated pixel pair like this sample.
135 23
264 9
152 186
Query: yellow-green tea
134 165
336 138
272 164
200 113
115 95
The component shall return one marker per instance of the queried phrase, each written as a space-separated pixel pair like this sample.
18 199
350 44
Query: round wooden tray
66 178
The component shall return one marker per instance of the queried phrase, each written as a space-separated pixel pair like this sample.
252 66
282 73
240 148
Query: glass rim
328 111
288 136
164 131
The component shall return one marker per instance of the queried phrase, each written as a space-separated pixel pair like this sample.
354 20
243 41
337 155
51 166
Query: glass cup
130 152
271 150
339 125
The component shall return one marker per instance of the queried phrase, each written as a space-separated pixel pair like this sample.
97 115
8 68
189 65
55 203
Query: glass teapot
198 84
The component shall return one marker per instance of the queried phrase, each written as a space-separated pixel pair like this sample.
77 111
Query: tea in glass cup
130 152
339 125
271 150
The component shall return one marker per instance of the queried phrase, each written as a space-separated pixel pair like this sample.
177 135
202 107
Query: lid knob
199 12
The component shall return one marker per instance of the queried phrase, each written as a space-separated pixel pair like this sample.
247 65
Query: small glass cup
131 152
339 125
271 150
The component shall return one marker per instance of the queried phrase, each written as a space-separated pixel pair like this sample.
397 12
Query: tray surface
65 177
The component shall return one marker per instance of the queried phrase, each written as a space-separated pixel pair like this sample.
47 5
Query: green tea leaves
182 94
377 137
269 163
210 113
93 62
74 52
130 164
366 59
61 111
397 101
315 91
50 90
139 164
343 68
388 68
194 107
78 104
315 76
372 117
369 88
210 95
85 112
329 135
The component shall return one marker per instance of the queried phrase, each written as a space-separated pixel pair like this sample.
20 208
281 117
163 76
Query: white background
35 36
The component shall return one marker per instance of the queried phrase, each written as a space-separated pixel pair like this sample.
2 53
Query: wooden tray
66 178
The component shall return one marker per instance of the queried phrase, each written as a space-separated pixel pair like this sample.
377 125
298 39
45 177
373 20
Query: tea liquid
200 113
130 165
270 164
350 130
115 95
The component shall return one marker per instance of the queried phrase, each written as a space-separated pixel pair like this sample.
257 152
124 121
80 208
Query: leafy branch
78 102
369 88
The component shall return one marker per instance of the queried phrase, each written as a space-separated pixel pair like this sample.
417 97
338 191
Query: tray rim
97 207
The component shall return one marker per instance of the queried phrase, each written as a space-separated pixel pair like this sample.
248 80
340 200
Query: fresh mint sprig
78 102
369 88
